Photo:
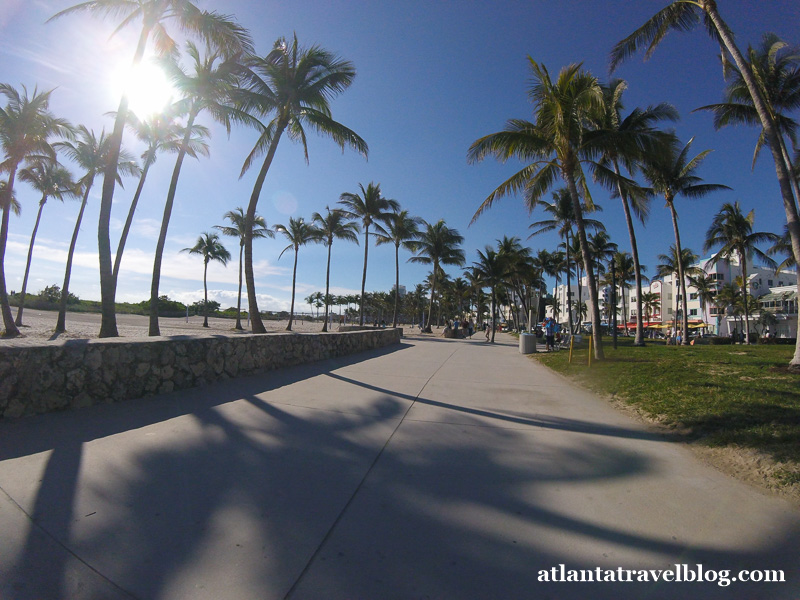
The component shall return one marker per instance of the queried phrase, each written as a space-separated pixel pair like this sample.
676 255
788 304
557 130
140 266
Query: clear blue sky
432 78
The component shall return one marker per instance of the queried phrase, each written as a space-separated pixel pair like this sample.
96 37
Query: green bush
720 341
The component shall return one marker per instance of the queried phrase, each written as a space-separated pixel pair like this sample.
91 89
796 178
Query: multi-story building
775 292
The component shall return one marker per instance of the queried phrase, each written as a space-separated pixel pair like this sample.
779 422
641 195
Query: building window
692 296
719 276
669 311
715 311
770 282
692 312
780 284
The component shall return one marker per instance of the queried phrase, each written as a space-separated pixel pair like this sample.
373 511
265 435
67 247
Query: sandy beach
38 326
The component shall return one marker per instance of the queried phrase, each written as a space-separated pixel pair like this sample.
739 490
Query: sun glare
148 89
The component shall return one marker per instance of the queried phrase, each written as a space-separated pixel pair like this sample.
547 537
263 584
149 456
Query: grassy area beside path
724 396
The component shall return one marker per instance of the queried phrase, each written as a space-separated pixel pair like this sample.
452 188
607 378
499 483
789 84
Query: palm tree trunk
430 308
773 143
162 236
21 306
127 227
256 324
569 285
364 277
396 282
8 319
639 339
61 322
294 280
494 313
239 297
743 259
108 283
597 333
682 284
327 284
205 293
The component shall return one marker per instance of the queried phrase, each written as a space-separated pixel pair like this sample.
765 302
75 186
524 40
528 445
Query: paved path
444 469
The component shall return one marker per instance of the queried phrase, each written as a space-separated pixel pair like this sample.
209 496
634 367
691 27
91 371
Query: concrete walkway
444 469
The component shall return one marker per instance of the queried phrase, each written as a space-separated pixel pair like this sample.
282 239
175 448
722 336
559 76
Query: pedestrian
471 328
486 329
550 333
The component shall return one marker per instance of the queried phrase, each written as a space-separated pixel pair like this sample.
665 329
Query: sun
148 89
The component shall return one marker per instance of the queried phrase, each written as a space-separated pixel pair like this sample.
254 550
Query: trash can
527 343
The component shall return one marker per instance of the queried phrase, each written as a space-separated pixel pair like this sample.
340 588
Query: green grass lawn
726 395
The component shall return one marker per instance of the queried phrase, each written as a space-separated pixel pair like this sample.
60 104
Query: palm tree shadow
292 502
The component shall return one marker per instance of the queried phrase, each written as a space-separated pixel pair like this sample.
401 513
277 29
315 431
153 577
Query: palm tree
682 15
624 276
26 128
236 229
490 271
294 85
52 180
401 230
707 288
208 89
371 208
627 140
334 225
160 133
91 153
298 233
437 245
219 30
650 303
733 230
684 267
559 141
670 173
210 248
729 297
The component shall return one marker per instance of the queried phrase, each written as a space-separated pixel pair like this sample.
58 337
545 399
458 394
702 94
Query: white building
776 292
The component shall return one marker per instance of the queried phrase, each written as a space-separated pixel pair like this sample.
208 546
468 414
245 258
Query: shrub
720 341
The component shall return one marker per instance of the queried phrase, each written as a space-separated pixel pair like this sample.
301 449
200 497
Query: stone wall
42 377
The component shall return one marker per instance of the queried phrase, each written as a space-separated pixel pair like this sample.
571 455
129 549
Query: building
775 293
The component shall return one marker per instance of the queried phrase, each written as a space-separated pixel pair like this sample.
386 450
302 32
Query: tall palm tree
298 233
210 248
624 276
221 31
401 230
733 231
160 133
437 245
372 209
671 265
490 271
682 15
52 180
628 139
559 142
207 88
26 129
293 86
334 225
91 153
671 173
236 229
